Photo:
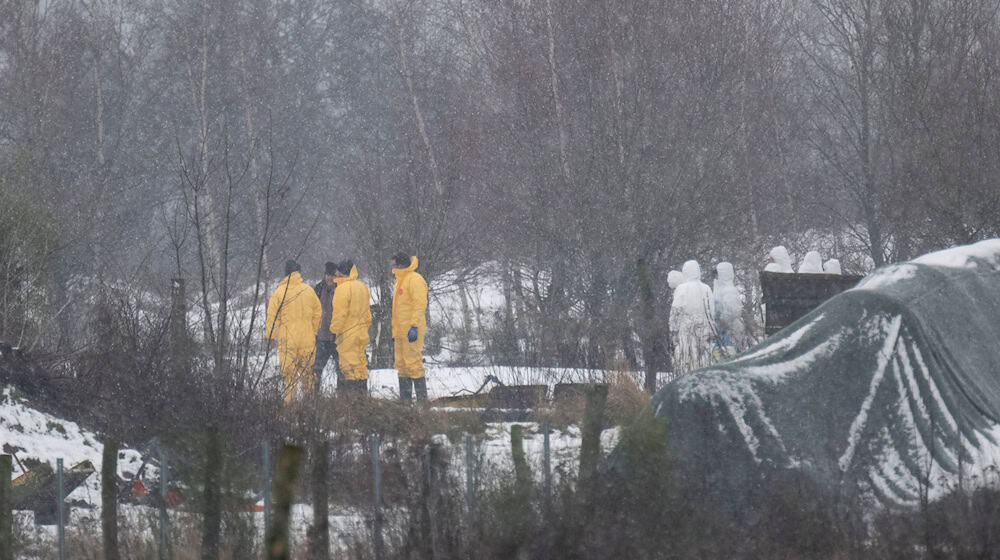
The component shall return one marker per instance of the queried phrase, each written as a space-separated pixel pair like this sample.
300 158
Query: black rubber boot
420 384
405 389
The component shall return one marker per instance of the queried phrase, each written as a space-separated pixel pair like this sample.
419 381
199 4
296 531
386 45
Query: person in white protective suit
674 279
812 263
692 317
728 311
779 261
832 266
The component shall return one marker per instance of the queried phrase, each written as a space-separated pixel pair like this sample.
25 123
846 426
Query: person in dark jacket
326 347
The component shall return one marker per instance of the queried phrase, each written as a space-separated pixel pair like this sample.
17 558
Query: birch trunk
417 113
259 207
556 97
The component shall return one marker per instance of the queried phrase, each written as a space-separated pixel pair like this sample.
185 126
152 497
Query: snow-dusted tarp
891 389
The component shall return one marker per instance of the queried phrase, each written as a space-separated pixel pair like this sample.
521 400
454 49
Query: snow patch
735 401
45 437
776 373
935 392
854 436
784 344
887 277
889 485
965 256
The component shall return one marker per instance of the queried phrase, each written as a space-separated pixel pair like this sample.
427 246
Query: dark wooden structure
563 392
518 396
499 396
514 403
790 296
36 489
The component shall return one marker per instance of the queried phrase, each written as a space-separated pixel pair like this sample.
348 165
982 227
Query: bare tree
231 161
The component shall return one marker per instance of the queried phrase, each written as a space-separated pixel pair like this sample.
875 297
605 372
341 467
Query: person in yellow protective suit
293 318
409 324
352 316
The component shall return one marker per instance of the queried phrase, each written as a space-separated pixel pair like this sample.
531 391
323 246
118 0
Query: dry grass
354 418
625 399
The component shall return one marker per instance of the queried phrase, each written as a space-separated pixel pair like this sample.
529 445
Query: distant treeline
585 147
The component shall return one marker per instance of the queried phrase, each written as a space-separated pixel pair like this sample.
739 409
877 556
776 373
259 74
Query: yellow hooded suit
352 316
409 309
293 319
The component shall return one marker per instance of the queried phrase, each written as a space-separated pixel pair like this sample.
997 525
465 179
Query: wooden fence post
470 475
109 497
522 473
289 463
319 542
547 462
164 551
267 490
60 511
433 498
377 468
6 510
590 447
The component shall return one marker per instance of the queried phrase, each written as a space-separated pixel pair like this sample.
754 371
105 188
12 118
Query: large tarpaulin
891 388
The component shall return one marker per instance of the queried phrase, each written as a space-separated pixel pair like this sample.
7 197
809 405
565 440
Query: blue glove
412 334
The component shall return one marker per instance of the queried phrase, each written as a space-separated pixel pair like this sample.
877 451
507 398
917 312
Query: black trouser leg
335 356
405 389
420 384
325 349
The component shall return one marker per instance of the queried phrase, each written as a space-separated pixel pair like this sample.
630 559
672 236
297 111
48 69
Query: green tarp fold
891 389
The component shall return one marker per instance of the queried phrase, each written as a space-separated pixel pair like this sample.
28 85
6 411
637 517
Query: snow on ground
43 436
47 438
564 448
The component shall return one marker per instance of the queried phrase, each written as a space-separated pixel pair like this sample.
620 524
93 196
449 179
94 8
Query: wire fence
163 528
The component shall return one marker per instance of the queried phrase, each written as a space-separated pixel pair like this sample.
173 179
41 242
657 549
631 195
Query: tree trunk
468 326
101 180
109 498
522 472
652 339
590 454
590 446
259 208
212 497
556 96
418 115
319 538
506 340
